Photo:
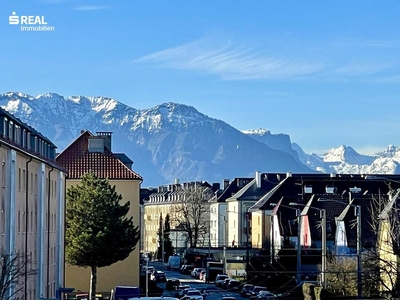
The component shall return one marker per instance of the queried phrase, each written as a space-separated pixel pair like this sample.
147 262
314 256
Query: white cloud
231 63
90 7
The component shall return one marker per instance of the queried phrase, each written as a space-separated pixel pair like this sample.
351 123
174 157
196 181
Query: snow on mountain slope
343 159
165 142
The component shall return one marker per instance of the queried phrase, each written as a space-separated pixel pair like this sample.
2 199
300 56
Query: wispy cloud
231 63
91 7
387 79
368 43
362 69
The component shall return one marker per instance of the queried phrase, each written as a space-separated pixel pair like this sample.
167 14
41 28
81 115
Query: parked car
172 283
148 268
192 294
219 280
245 292
255 290
174 262
196 272
186 269
224 284
265 295
233 284
180 290
158 276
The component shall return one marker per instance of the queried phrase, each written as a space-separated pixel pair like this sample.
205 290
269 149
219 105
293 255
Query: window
10 129
23 180
17 134
5 126
3 174
36 183
28 141
19 179
3 216
32 183
24 138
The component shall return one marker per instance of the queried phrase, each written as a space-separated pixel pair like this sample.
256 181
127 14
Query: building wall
218 224
233 223
387 258
152 213
257 229
237 223
124 272
30 212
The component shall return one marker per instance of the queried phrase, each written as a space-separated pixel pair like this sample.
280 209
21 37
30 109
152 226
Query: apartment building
93 153
32 199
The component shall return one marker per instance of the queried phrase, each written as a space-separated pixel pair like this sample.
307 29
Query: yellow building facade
93 153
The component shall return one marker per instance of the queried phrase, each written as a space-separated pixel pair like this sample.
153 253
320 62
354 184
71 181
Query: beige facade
32 199
124 272
171 200
92 153
152 213
258 230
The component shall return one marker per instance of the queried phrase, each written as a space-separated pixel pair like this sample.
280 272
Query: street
213 292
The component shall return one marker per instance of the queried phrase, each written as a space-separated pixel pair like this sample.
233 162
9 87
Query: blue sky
325 72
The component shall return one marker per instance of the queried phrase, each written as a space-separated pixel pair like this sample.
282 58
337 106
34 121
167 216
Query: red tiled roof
78 161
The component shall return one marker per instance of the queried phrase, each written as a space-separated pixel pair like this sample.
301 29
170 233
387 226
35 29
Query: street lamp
359 243
323 242
298 215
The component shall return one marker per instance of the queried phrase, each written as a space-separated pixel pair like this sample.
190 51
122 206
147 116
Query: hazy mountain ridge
165 142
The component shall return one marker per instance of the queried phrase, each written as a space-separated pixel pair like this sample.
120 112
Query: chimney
225 183
258 179
107 138
176 181
215 186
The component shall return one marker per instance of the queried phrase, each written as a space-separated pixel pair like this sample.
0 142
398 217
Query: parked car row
256 292
186 292
186 269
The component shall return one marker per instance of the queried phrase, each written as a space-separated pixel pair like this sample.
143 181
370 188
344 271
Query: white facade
218 224
239 233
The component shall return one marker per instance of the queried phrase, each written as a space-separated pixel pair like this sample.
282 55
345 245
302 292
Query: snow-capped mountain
165 142
343 159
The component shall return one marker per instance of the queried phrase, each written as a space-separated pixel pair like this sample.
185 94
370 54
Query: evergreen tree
168 248
98 232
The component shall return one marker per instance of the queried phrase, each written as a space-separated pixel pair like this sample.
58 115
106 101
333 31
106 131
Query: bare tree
14 272
381 263
191 213
342 275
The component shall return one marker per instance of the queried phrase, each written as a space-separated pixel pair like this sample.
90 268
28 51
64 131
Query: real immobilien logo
30 23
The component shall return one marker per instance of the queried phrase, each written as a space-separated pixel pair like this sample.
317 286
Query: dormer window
307 189
329 189
24 138
10 129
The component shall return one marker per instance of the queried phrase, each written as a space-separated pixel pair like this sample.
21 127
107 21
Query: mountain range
175 141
